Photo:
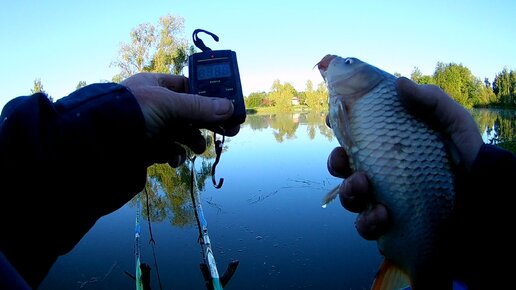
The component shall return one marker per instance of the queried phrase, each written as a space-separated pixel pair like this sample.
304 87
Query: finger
355 192
193 139
428 102
198 109
338 163
173 82
231 130
373 223
177 156
440 111
164 151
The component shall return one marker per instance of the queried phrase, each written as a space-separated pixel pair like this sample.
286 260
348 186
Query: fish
408 165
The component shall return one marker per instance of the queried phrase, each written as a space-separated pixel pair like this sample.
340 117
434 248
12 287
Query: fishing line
151 241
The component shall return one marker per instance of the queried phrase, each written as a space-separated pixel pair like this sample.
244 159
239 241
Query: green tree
316 99
281 95
38 88
418 77
504 86
81 84
310 96
171 51
154 49
485 96
457 81
322 92
255 99
134 56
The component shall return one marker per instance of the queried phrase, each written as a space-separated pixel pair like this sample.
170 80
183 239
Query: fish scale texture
408 166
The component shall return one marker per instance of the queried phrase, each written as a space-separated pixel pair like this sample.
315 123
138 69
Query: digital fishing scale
214 73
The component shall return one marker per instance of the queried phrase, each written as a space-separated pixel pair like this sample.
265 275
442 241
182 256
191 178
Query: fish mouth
325 62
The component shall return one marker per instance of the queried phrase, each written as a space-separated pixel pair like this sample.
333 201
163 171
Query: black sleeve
485 218
64 165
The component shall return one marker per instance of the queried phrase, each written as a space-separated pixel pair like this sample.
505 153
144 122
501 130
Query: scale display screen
213 70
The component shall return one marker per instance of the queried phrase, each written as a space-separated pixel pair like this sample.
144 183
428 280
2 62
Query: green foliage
255 99
421 79
316 99
504 86
485 95
81 84
457 81
38 88
154 49
282 94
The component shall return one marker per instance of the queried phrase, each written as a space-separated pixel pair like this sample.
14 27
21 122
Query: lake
267 215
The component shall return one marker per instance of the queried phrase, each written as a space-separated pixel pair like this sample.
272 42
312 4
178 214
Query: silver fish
406 162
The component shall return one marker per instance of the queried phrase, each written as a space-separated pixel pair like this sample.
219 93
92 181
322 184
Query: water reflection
497 125
286 124
267 215
168 188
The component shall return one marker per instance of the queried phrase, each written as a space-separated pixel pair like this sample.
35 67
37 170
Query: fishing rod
142 271
137 246
208 265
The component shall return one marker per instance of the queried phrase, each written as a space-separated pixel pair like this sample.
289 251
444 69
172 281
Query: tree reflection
498 125
168 189
167 194
286 124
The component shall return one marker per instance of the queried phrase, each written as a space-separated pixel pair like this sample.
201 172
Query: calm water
267 215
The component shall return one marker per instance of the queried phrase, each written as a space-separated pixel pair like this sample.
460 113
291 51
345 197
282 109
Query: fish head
348 80
348 77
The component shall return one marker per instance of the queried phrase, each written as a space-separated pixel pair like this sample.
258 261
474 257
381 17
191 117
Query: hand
172 116
439 111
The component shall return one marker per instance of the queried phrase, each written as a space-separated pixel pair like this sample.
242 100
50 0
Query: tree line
163 48
455 79
458 81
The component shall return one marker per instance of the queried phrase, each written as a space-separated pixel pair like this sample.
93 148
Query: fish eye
348 61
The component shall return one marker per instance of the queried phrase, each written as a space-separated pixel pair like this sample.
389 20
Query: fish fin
339 119
330 196
390 277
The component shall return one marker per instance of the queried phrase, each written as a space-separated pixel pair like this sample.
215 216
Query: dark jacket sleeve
485 217
64 165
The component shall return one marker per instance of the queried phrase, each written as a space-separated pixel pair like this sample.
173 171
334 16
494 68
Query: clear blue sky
64 42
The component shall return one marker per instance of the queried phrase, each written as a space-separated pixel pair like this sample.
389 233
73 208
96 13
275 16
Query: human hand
441 112
172 116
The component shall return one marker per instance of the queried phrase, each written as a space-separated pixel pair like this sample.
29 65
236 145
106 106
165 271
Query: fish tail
390 277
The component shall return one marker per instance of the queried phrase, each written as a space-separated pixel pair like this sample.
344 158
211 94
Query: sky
64 42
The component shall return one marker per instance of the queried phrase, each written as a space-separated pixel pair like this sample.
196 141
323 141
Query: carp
408 166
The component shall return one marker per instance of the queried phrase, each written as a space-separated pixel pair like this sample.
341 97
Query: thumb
200 110
440 111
